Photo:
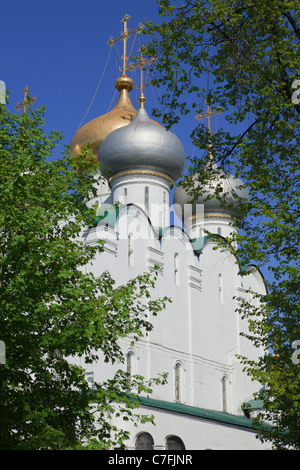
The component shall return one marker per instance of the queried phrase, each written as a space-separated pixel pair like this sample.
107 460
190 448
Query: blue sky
59 50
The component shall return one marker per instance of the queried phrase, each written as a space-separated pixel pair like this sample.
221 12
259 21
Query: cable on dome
133 43
120 59
96 90
112 101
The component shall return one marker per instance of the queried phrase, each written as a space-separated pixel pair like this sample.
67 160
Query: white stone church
197 337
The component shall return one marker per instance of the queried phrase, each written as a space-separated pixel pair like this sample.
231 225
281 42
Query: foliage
244 56
51 309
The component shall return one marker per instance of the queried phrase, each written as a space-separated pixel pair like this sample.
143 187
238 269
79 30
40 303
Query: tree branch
293 23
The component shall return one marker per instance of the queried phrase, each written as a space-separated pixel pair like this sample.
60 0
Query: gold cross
25 102
208 114
142 64
124 36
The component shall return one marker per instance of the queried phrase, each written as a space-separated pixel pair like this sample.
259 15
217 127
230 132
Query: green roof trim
243 268
198 243
254 405
180 408
161 231
106 215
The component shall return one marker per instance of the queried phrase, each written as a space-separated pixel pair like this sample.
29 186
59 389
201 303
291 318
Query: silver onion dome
232 195
143 145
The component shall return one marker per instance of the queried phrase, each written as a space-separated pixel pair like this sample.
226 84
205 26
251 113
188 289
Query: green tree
50 309
249 53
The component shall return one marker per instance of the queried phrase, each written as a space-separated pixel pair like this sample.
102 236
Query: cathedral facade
197 338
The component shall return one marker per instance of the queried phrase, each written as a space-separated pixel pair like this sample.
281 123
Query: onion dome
143 145
95 131
231 199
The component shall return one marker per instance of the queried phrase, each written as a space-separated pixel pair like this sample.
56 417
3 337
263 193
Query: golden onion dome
95 131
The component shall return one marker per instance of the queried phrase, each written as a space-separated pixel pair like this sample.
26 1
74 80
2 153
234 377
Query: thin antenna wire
112 100
207 79
155 99
116 50
207 83
95 91
133 43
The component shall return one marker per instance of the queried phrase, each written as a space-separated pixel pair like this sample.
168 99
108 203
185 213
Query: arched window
176 268
221 288
147 199
129 367
90 378
225 393
219 231
174 443
178 381
144 441
130 250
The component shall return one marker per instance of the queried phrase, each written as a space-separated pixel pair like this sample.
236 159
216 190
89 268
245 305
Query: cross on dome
142 64
26 101
208 114
124 37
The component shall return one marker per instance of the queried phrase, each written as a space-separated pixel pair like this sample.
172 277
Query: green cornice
225 418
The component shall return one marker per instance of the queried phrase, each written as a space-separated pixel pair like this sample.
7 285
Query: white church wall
199 330
149 191
196 433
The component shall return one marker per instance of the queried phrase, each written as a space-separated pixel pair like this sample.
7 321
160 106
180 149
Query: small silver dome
232 195
143 145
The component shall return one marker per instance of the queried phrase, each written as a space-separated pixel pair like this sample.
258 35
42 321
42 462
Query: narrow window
147 199
224 394
125 196
164 208
90 378
219 231
221 289
176 268
178 381
130 250
129 365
